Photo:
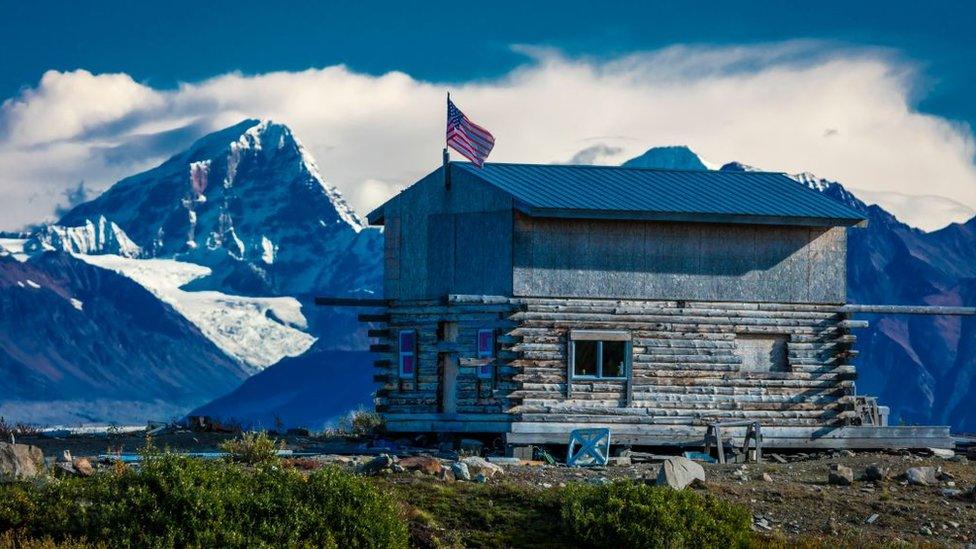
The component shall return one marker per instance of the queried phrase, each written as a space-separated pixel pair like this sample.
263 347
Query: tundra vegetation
254 499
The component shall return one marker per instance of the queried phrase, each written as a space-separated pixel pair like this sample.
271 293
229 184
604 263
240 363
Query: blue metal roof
657 194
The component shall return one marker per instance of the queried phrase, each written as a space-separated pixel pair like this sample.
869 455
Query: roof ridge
630 168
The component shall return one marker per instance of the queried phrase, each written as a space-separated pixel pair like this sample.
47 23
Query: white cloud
797 106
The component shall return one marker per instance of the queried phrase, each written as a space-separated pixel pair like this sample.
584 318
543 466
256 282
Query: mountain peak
677 157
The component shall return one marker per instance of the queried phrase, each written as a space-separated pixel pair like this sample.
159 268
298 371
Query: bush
359 423
626 514
254 448
180 501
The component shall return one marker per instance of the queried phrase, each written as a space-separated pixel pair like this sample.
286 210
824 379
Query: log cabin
525 301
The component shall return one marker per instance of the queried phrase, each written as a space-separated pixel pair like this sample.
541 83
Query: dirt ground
790 502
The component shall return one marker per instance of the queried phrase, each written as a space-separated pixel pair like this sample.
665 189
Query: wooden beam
909 309
349 302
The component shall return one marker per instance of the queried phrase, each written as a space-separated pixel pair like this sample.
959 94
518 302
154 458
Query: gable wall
655 260
442 242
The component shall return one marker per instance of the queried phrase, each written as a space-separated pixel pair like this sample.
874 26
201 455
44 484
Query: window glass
486 343
484 371
614 353
407 352
584 358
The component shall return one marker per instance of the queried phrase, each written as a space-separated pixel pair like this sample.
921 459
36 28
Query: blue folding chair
594 447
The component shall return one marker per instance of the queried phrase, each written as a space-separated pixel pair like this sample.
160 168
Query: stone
480 466
480 478
840 475
943 453
65 457
83 467
872 519
766 477
847 453
921 476
19 461
461 471
950 492
377 465
425 464
446 474
678 472
877 472
620 461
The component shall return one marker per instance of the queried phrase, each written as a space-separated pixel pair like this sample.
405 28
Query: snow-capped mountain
248 202
234 237
80 344
923 367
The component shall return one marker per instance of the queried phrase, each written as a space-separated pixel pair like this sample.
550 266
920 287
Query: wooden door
448 367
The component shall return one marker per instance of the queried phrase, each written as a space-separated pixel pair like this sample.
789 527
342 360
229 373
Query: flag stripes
466 137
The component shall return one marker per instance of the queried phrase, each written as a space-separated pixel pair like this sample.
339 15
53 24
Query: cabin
525 301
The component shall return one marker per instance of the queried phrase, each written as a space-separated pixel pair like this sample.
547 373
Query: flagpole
446 155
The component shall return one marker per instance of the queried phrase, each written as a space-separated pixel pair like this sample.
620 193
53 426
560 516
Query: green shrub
627 514
253 448
186 502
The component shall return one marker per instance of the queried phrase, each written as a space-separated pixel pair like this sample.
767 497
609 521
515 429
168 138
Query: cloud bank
843 114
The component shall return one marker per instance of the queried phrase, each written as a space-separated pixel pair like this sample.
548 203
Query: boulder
877 472
83 467
921 476
678 472
425 464
943 453
19 461
377 465
481 466
840 475
461 471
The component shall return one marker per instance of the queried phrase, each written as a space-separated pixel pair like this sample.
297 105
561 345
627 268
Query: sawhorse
713 435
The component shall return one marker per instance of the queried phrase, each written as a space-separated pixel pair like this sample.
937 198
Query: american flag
466 137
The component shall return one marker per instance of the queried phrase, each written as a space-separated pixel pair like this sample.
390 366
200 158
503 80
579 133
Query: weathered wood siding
651 260
685 368
439 242
421 394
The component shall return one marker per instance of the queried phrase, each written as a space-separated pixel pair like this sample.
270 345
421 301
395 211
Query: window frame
401 353
485 371
600 337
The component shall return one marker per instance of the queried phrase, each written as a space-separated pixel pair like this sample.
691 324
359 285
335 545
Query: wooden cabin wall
440 241
421 394
685 369
580 258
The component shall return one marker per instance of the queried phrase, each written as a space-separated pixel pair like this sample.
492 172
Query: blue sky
877 95
163 43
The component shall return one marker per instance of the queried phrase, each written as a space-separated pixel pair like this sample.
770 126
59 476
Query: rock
620 461
847 453
921 476
942 452
19 461
950 492
425 464
377 465
480 478
678 472
872 519
65 457
840 475
471 447
83 467
446 474
877 472
480 466
766 477
460 470
64 469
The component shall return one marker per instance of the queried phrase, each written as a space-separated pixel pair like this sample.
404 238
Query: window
408 353
762 352
486 349
598 354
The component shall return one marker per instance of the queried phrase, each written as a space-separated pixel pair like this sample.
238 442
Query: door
448 368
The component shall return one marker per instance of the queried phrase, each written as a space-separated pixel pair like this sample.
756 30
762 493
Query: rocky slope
79 344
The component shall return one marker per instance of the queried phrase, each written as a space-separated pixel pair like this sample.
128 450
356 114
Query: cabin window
486 350
762 352
602 355
408 353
